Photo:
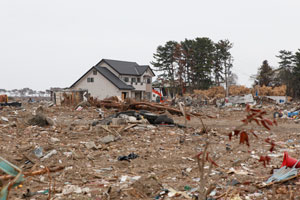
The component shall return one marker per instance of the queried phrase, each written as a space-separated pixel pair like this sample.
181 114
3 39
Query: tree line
194 64
287 73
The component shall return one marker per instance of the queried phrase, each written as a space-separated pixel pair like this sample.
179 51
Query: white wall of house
139 86
100 88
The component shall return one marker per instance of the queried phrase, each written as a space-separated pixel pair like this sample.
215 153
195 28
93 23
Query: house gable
100 88
148 72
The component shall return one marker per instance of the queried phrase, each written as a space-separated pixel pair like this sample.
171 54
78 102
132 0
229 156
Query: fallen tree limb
108 103
35 173
165 107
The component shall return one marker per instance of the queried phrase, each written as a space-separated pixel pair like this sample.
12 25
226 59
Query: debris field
133 159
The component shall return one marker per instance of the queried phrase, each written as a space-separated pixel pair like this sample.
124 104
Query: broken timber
143 105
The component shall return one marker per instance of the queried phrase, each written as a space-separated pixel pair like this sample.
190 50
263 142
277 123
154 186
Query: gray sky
47 44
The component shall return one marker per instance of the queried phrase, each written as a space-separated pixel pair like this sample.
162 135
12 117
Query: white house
117 78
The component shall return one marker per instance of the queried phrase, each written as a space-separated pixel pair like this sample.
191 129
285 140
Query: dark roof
125 67
113 78
142 68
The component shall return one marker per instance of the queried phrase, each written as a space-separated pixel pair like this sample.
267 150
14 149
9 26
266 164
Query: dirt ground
166 156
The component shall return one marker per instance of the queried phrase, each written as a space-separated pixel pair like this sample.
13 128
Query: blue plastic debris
292 114
12 170
283 173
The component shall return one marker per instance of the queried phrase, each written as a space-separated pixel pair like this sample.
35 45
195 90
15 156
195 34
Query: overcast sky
47 44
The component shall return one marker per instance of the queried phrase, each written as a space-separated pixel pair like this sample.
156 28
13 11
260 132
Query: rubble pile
214 92
112 149
269 91
236 90
130 104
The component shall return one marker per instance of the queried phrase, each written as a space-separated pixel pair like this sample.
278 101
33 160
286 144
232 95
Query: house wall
100 88
148 87
139 86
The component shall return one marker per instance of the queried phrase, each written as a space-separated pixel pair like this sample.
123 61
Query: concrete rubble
142 150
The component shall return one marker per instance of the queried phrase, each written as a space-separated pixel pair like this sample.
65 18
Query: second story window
138 80
148 80
90 80
133 80
126 79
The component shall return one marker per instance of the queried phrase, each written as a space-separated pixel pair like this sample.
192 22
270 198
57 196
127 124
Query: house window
148 80
138 80
126 79
90 80
133 80
94 72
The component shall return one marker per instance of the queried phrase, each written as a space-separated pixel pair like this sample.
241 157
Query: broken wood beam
35 173
165 107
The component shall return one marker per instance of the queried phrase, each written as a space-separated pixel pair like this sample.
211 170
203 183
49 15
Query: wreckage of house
117 78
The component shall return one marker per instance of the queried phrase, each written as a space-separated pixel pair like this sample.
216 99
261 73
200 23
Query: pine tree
286 65
296 75
203 50
265 74
223 62
164 63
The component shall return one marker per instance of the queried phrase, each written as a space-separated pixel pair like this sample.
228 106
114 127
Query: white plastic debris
68 189
53 139
4 119
188 169
53 152
123 178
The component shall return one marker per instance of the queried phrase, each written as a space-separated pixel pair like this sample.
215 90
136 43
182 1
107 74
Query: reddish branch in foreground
257 116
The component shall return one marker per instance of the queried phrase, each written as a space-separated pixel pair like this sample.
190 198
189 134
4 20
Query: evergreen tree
203 50
164 63
296 75
265 74
187 56
286 64
197 63
180 68
225 60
